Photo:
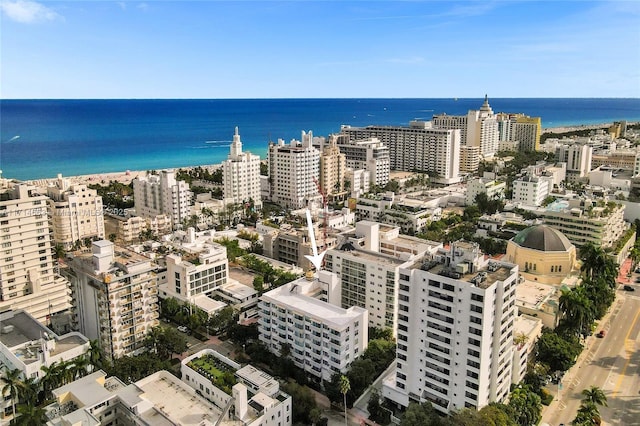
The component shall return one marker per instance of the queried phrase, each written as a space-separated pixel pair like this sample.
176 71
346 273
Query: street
612 363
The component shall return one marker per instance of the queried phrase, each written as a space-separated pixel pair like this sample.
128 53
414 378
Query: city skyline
267 49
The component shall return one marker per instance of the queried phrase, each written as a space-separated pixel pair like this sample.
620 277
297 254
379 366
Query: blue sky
307 49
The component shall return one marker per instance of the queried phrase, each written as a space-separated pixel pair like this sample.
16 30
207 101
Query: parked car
628 288
182 328
601 333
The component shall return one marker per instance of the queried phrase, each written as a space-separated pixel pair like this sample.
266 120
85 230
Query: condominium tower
115 292
162 194
456 316
75 211
418 147
28 273
241 175
293 172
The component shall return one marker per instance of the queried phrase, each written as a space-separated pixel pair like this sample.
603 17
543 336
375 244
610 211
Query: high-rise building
367 263
76 213
578 158
115 296
241 175
522 129
418 147
162 194
333 167
366 154
293 171
456 316
28 276
479 128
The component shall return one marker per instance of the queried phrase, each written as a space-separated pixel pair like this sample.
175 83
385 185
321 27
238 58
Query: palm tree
587 415
80 366
12 383
51 378
31 415
576 308
96 356
594 395
345 386
28 391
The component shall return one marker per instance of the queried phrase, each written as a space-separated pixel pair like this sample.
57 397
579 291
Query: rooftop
484 278
543 238
532 294
289 296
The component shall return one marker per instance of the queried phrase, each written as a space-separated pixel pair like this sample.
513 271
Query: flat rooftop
326 313
532 294
501 273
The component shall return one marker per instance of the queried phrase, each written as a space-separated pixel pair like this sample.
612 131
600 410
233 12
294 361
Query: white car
182 328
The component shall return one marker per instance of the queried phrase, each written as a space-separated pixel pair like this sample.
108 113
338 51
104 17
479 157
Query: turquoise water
40 138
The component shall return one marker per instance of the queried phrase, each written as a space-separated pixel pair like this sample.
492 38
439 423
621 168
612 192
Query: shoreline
127 176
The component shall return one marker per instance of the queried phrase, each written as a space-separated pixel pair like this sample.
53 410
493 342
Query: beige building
116 297
543 254
333 165
29 277
469 158
522 129
76 213
162 194
129 229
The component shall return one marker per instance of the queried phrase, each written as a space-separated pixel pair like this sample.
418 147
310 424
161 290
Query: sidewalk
567 384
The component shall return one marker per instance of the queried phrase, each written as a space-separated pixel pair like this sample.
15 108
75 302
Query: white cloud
27 11
122 5
143 6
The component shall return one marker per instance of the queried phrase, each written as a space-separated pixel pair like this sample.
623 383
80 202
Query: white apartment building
526 331
359 183
479 128
256 396
201 273
159 399
116 297
162 194
366 154
578 158
587 221
323 338
241 175
418 147
531 190
520 128
367 262
75 211
455 331
29 279
293 172
27 345
493 188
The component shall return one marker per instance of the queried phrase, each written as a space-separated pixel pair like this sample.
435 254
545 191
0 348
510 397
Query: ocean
41 138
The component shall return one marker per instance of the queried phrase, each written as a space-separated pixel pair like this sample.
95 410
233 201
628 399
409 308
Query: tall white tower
241 175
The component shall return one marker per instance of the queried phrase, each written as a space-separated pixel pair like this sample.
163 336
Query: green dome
543 238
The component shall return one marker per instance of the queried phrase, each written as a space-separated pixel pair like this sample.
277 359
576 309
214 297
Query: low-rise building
531 190
255 395
526 331
27 345
130 229
493 188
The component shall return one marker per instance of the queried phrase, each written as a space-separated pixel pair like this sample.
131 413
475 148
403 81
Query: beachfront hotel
76 212
241 175
162 194
479 128
456 316
419 147
333 165
115 295
294 170
29 278
369 155
520 128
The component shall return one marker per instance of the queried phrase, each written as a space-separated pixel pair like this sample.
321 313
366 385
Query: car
638 280
628 288
601 334
182 328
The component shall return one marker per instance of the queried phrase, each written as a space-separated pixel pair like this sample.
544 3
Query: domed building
542 253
